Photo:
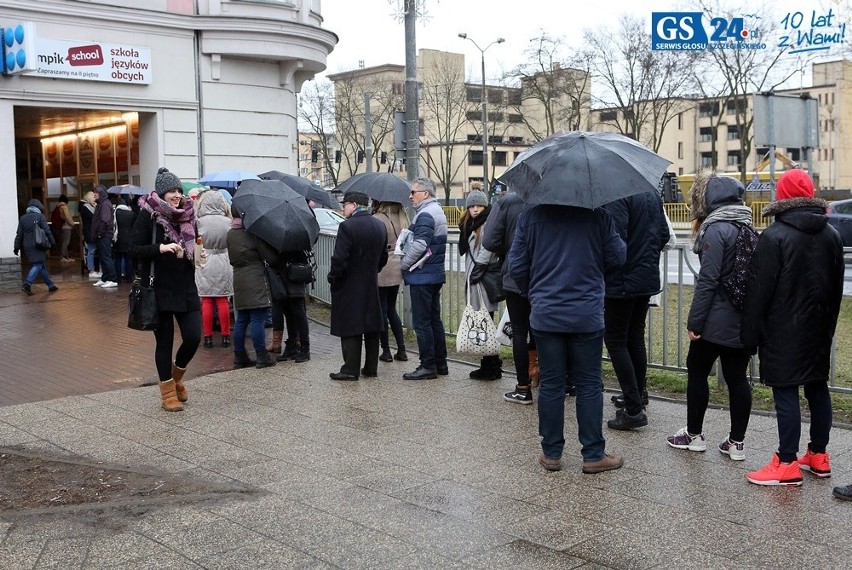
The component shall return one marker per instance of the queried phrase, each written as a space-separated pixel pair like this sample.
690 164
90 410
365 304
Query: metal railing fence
666 335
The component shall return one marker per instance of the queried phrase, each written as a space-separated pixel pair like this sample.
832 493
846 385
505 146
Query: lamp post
484 100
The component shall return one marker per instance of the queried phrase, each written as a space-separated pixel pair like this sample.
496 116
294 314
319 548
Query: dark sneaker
843 493
625 421
53 288
685 440
549 463
208 342
401 355
386 356
606 463
618 401
27 289
420 374
519 397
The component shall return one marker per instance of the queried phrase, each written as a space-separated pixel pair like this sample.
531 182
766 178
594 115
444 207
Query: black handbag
277 290
492 282
143 313
302 272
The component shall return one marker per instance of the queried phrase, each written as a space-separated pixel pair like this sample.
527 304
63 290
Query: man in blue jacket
423 271
558 259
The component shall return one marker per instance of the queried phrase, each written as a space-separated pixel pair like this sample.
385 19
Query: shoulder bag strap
153 242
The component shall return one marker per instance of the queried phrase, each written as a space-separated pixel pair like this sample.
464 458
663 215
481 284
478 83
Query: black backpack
734 283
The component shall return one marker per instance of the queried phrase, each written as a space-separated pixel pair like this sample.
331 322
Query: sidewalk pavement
384 473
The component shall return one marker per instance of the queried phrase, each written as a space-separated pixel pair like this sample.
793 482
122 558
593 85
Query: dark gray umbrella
584 169
277 214
379 186
304 187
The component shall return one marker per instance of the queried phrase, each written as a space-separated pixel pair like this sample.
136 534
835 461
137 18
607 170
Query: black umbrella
379 186
304 187
277 214
584 169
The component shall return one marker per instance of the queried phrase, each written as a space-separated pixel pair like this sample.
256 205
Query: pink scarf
178 223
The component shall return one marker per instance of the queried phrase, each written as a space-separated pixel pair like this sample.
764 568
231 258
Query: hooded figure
794 289
103 227
25 240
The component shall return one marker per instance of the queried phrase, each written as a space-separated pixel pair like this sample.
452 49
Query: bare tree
443 108
317 114
642 88
555 89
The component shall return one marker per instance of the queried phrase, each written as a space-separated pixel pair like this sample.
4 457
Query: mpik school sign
63 59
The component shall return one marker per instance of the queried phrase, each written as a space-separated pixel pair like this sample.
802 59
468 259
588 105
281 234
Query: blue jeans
582 352
105 255
258 333
123 266
91 251
428 326
789 415
38 268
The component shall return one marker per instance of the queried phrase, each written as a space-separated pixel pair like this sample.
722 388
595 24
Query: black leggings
190 334
387 297
292 315
699 362
522 338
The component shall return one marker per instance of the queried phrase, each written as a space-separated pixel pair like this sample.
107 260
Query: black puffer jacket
499 232
794 291
641 223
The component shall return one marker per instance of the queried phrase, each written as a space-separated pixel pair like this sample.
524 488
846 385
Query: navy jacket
558 259
430 234
641 223
499 232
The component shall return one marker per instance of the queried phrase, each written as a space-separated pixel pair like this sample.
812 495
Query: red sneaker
777 473
819 464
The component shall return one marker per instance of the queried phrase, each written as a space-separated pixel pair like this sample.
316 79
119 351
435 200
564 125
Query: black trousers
625 342
522 338
789 416
190 334
699 362
351 347
292 313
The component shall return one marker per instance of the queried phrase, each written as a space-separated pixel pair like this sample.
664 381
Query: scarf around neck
739 214
178 223
468 226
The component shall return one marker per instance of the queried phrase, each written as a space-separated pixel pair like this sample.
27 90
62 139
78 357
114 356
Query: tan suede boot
170 401
533 368
180 389
275 348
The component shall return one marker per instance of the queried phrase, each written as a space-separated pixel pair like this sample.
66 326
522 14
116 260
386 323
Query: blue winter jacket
430 235
558 259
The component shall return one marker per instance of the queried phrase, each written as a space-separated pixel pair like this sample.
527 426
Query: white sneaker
95 274
109 285
99 283
685 440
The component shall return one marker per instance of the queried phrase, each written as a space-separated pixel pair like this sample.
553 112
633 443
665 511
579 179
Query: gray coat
216 277
246 253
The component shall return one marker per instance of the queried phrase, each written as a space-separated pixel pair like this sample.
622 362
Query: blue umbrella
227 178
127 190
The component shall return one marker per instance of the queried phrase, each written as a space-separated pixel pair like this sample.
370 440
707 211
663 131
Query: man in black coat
360 252
793 296
641 223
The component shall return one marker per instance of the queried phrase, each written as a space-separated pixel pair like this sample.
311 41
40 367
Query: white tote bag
477 334
504 329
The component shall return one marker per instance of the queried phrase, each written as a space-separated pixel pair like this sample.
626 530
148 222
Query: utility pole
412 118
368 132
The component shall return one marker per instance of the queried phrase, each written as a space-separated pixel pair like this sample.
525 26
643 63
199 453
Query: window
680 150
734 107
496 139
398 88
795 154
707 160
473 116
474 138
733 133
680 121
734 158
608 115
499 158
473 94
474 158
515 97
705 134
516 118
495 117
495 96
708 109
516 140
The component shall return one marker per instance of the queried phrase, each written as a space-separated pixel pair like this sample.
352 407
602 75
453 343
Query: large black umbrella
379 186
304 187
584 169
277 214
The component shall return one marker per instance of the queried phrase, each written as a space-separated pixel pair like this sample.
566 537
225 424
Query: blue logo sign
686 31
18 42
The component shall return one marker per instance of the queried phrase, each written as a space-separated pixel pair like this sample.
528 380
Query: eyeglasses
413 192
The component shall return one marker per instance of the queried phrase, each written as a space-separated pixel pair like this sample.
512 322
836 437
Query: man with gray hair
422 267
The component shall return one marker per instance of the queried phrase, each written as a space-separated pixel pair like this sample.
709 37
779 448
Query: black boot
401 355
226 340
386 356
208 342
304 353
264 359
291 349
242 360
489 369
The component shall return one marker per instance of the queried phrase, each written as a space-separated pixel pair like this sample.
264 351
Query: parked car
840 216
328 219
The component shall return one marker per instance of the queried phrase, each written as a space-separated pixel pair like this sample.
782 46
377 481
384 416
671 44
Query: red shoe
777 473
819 464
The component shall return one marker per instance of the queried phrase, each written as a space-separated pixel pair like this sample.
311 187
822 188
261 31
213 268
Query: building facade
119 88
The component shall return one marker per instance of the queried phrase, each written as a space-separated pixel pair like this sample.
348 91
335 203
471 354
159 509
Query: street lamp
484 100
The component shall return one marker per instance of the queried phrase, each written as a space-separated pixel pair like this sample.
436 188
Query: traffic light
315 155
359 156
337 156
384 157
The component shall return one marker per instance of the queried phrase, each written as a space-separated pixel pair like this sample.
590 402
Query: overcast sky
368 30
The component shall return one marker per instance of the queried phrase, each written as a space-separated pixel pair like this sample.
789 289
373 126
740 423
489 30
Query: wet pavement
380 473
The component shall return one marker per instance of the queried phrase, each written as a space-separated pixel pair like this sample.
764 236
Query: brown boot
275 347
170 401
533 368
180 389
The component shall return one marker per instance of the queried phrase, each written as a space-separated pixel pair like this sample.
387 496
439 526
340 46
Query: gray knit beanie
476 198
166 181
